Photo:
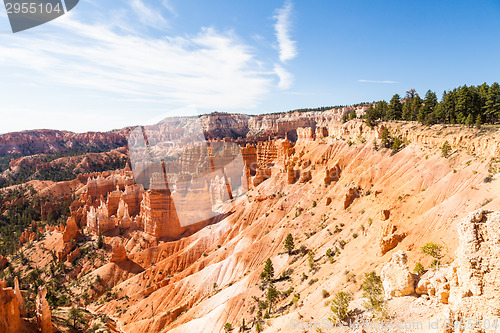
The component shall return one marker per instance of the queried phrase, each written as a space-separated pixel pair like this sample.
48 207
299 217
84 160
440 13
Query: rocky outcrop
3 262
71 231
305 134
119 254
26 236
72 256
384 214
352 193
321 132
389 238
261 176
475 274
332 175
292 175
397 279
42 309
435 284
19 296
10 315
305 176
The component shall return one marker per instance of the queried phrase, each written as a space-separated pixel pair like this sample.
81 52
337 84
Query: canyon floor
352 207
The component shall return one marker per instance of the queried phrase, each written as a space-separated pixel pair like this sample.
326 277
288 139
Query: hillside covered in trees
467 105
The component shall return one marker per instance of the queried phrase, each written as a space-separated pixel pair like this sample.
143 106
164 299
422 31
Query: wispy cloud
285 77
168 5
287 47
148 16
211 69
375 81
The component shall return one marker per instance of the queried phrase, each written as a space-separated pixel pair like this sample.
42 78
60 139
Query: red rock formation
43 314
351 194
10 315
249 154
389 238
72 256
26 236
332 175
61 255
305 176
262 175
119 254
266 153
385 213
71 231
19 296
292 174
3 262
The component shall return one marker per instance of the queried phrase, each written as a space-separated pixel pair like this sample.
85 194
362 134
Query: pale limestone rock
475 274
397 279
435 283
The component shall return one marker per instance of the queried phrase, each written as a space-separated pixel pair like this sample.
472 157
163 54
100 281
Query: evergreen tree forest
466 105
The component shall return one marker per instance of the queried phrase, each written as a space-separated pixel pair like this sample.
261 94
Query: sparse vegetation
289 244
419 268
228 327
373 291
340 306
445 149
434 250
268 272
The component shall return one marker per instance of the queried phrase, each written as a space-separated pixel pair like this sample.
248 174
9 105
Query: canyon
127 262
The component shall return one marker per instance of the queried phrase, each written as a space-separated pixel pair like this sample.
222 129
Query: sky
110 64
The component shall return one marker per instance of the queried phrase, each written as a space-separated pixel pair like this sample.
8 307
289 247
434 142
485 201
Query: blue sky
109 64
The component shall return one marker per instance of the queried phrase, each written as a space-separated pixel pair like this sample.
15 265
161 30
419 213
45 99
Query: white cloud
212 70
285 77
375 81
287 47
148 16
168 5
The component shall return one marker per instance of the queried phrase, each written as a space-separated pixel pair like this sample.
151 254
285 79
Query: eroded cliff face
474 276
331 189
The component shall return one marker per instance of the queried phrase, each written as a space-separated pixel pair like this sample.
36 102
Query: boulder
385 213
397 279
